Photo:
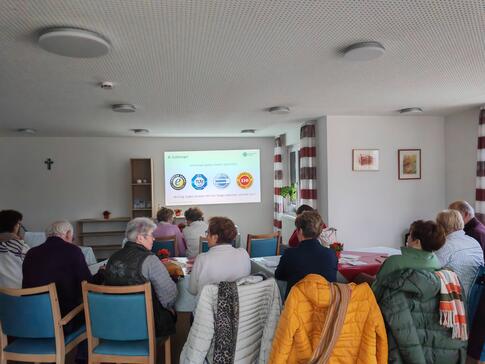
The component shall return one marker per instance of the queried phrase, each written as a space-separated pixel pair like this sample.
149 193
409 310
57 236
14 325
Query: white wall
90 175
375 208
461 133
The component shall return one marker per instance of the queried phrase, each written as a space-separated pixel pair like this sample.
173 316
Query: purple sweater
62 263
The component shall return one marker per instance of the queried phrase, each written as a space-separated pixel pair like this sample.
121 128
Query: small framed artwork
365 159
409 163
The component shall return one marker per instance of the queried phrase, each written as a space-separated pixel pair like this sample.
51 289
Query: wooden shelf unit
142 204
101 235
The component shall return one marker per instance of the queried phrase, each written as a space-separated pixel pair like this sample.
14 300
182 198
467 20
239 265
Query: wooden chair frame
93 341
167 239
264 236
61 348
201 240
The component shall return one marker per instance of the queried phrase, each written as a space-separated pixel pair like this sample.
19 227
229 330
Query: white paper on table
356 263
271 262
349 256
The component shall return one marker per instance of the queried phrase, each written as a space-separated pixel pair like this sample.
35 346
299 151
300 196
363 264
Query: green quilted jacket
409 301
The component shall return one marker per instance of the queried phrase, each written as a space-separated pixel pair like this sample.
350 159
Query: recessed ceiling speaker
279 110
364 51
72 42
411 110
123 108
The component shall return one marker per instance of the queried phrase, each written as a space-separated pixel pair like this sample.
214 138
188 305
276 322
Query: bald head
464 208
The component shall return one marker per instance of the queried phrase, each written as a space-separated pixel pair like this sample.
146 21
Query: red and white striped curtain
480 185
278 183
308 165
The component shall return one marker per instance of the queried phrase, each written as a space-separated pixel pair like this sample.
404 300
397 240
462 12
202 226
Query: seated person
196 227
136 264
461 253
58 261
12 249
309 256
293 242
222 262
424 237
473 227
166 227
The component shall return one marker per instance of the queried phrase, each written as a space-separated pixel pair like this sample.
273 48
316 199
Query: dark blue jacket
309 257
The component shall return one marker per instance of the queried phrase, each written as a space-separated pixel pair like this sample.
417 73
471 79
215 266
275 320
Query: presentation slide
212 177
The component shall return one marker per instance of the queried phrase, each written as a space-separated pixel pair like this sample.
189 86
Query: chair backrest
165 242
30 312
118 313
263 245
203 244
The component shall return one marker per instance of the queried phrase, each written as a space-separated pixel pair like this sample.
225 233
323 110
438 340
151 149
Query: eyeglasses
149 236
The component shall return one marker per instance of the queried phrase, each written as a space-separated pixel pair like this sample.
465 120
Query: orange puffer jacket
363 337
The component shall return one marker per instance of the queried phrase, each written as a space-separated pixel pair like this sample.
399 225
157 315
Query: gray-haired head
139 226
465 209
59 228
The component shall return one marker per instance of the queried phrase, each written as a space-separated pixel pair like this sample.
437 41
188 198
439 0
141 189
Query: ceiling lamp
123 108
140 131
27 130
364 51
72 42
279 110
411 110
248 131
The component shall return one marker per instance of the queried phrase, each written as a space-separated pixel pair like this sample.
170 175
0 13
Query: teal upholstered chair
32 319
263 245
165 242
120 325
203 245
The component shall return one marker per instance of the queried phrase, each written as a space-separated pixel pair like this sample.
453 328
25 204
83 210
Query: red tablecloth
373 260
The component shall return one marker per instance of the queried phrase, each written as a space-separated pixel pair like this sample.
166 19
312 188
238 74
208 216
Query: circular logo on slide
222 180
199 181
178 182
244 180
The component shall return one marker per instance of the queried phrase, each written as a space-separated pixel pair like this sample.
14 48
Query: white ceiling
211 67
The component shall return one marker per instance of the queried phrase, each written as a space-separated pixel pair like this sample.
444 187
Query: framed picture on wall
409 163
365 159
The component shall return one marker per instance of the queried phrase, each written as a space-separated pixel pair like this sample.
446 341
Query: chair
165 242
263 245
32 316
203 245
120 325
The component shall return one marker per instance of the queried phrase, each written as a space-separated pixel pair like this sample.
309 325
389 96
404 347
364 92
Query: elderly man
136 264
473 227
58 261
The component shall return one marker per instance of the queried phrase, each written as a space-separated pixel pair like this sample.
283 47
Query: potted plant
289 193
338 247
163 254
106 214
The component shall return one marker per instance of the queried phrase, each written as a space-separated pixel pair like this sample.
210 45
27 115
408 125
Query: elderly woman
424 238
136 264
222 262
196 227
166 227
462 253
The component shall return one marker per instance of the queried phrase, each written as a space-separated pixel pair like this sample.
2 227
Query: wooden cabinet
142 204
103 235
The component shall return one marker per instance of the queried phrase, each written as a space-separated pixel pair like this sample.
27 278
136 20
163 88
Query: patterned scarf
452 309
339 300
226 323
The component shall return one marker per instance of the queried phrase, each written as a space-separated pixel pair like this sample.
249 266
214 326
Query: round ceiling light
364 51
279 110
71 42
411 110
248 131
123 108
27 130
140 131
